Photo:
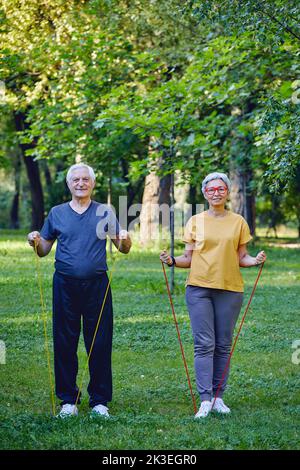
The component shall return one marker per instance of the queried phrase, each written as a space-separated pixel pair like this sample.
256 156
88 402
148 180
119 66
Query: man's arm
122 242
43 246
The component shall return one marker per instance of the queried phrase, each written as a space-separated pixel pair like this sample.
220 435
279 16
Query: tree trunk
33 173
156 193
14 212
131 190
242 199
47 174
193 198
164 189
150 200
37 197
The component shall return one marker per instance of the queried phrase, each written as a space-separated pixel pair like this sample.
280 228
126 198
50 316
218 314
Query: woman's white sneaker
67 411
100 410
204 409
220 406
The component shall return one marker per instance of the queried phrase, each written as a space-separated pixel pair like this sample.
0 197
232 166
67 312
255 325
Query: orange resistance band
231 353
238 333
179 339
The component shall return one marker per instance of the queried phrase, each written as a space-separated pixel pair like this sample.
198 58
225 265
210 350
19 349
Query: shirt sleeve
48 231
245 235
188 236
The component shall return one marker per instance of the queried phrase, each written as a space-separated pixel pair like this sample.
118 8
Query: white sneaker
100 410
68 410
204 409
220 406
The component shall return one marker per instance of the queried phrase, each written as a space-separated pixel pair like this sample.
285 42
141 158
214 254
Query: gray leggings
213 314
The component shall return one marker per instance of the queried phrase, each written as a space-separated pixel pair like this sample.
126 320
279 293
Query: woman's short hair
215 176
78 166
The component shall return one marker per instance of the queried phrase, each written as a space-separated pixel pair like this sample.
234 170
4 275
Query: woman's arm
246 261
183 261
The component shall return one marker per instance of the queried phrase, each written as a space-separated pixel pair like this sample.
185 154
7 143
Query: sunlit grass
282 231
151 407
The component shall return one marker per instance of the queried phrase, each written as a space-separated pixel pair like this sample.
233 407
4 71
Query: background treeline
147 89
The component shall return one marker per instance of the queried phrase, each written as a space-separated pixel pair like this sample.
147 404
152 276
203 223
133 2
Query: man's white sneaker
67 411
100 410
204 409
220 406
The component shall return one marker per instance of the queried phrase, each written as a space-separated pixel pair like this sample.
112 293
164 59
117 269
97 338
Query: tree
213 82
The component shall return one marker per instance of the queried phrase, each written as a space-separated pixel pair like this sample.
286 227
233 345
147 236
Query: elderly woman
216 246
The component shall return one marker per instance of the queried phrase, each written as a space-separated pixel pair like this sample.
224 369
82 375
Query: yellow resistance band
97 326
44 316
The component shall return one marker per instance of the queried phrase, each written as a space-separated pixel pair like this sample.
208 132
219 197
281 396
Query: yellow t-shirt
215 242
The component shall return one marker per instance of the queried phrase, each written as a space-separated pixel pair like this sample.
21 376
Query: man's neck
81 201
80 204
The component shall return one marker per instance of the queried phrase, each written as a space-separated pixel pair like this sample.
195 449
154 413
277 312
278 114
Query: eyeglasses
222 190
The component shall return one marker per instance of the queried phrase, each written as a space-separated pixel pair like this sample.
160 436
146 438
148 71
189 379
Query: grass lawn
151 407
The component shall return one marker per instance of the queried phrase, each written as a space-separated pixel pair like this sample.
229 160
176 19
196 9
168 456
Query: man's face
81 184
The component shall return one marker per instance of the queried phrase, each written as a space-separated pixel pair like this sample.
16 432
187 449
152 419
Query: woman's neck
217 211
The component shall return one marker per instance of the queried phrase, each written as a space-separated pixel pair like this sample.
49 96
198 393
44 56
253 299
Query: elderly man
80 281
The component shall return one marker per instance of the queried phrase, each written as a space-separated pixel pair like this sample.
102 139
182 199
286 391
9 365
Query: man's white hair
78 166
215 176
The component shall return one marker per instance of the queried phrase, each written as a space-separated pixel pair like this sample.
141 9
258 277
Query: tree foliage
209 83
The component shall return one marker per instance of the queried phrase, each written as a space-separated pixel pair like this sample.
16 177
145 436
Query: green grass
151 407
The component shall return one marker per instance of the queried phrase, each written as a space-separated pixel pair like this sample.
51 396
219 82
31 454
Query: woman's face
216 193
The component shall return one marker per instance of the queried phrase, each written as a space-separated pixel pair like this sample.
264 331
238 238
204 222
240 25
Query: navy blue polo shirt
81 238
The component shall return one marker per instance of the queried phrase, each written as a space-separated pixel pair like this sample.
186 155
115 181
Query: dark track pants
213 314
73 299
